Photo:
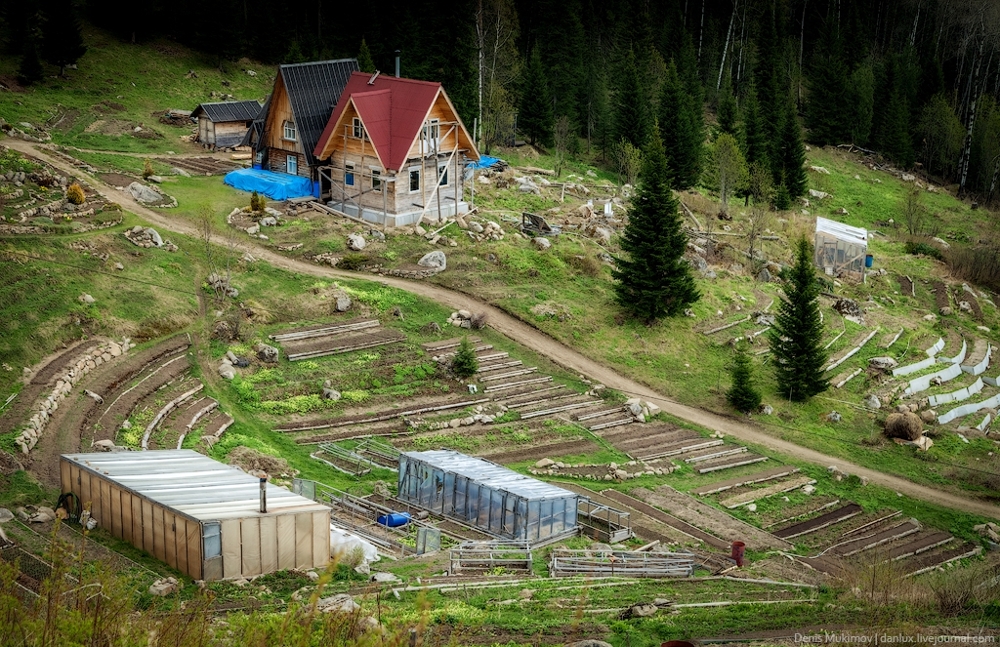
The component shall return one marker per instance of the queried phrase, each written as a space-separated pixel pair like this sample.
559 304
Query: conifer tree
754 136
465 364
896 142
797 334
828 109
791 155
365 61
62 36
631 114
743 394
535 119
653 280
682 127
30 70
726 112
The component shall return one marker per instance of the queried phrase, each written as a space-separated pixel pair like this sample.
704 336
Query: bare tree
499 68
758 221
562 139
628 160
913 212
728 169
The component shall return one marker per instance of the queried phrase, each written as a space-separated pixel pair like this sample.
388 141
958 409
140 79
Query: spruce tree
791 155
896 142
682 128
828 108
465 364
743 394
365 62
62 36
755 148
535 119
30 70
726 112
653 280
797 334
631 112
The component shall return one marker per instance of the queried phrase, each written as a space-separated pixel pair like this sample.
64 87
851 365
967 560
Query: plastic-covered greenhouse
841 249
488 496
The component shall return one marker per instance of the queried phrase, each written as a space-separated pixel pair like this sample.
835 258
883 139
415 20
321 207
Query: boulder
267 353
766 410
268 221
163 587
356 242
907 426
545 462
883 363
341 301
434 260
331 394
641 611
86 298
590 642
226 371
340 603
872 402
764 276
541 244
179 171
834 416
104 445
819 195
946 311
928 415
6 515
42 515
143 193
475 227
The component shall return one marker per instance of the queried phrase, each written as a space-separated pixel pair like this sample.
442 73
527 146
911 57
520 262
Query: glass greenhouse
841 249
488 496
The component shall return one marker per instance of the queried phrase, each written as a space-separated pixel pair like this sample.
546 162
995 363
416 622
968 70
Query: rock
589 642
179 171
847 306
253 230
464 314
541 243
475 227
941 242
834 416
842 212
819 195
819 169
930 317
641 611
163 587
86 298
381 577
268 221
331 394
340 603
6 515
964 306
764 276
143 193
103 445
341 301
752 507
907 426
883 363
226 371
267 353
42 515
946 311
808 489
766 410
635 409
356 242
906 177
119 267
928 415
872 402
435 260
621 475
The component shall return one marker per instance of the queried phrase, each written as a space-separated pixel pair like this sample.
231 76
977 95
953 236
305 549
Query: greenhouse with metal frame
488 496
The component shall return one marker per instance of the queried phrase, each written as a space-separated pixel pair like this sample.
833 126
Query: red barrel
738 548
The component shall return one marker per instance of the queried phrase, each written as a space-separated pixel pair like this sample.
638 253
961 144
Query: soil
557 352
352 418
106 425
963 295
803 527
200 165
553 451
117 179
941 299
668 519
343 343
905 286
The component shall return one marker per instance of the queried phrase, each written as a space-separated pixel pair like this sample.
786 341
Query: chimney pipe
397 63
263 495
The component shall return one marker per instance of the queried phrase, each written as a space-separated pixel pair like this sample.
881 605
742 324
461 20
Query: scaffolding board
598 563
603 523
490 556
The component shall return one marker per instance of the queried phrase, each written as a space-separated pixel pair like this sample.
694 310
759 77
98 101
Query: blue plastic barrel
394 520
869 260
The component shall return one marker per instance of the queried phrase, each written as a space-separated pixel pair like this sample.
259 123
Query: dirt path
541 343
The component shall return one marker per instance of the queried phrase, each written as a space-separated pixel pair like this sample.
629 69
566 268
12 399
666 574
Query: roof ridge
394 79
326 62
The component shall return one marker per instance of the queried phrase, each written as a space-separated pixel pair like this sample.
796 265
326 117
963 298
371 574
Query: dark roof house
224 124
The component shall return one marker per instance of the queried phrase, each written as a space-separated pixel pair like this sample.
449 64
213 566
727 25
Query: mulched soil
905 286
963 295
116 179
201 165
20 409
822 520
553 450
121 408
941 299
409 405
343 343
666 518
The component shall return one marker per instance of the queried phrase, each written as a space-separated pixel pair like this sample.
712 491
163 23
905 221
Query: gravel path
541 343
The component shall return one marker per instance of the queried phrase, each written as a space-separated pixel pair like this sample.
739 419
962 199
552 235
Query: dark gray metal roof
313 91
256 130
491 475
192 484
224 111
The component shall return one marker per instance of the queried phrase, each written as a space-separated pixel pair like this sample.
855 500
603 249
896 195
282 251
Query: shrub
586 265
147 170
74 193
977 265
465 364
257 203
916 247
354 261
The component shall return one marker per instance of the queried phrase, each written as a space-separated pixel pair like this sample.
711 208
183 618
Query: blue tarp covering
485 161
277 186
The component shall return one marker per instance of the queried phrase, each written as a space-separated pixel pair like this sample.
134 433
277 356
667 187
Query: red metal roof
392 110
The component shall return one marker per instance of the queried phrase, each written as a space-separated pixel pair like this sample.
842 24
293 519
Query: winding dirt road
541 343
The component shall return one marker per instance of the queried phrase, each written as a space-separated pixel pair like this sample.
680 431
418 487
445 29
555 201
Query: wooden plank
762 493
66 477
321 539
138 539
170 537
193 542
148 544
286 541
115 510
250 546
127 535
748 459
231 557
86 499
159 549
303 540
181 536
268 544
758 477
820 522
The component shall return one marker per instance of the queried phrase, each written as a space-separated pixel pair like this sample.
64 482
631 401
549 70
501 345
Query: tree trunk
963 166
701 30
802 42
725 50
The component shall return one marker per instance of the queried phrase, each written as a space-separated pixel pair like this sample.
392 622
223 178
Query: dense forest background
915 80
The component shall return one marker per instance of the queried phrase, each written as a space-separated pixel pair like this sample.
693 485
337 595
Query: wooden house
224 124
393 151
299 107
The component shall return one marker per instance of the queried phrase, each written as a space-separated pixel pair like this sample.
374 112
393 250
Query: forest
917 81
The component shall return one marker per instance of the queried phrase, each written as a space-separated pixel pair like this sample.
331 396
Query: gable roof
393 111
313 89
223 111
256 130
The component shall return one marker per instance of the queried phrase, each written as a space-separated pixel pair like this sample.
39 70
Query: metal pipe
263 495
397 63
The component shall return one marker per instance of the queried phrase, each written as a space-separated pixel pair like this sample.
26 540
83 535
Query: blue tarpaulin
485 161
277 186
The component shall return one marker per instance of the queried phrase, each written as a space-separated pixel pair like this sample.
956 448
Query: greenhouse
488 496
841 250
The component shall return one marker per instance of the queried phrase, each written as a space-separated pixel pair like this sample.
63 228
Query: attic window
289 127
359 129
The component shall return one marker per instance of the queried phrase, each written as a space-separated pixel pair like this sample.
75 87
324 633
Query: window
414 179
349 174
211 539
259 157
430 134
290 130
443 175
292 164
359 129
376 179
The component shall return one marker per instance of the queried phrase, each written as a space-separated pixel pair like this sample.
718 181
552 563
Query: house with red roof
394 151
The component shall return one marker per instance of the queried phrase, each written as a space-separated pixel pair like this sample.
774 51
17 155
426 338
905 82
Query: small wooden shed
198 515
224 124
